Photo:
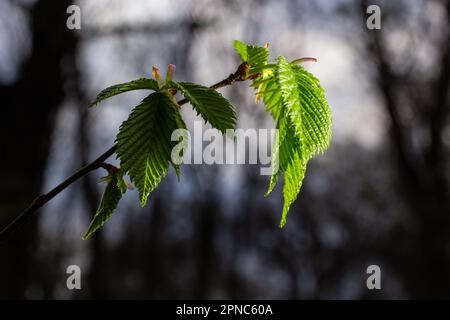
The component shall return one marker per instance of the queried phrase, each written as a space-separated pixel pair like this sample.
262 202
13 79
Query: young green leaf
109 202
271 93
144 142
241 49
293 179
306 106
286 146
286 142
255 56
142 83
209 103
297 102
183 141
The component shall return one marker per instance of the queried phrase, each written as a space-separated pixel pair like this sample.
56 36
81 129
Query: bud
157 76
129 185
242 71
170 71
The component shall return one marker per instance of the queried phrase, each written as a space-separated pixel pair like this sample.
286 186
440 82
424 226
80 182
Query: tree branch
40 201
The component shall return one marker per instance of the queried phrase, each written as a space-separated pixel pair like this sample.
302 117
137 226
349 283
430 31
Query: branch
40 201
93 32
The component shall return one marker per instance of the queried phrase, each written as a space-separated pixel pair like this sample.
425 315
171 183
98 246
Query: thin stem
40 201
44 198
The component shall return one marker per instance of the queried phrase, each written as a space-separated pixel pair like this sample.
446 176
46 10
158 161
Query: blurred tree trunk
29 109
422 170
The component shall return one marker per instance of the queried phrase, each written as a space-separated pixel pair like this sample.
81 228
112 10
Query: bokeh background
380 195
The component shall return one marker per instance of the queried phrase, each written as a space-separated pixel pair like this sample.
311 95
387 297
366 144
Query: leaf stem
240 75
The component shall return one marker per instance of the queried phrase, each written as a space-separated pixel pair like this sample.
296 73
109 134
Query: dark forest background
380 195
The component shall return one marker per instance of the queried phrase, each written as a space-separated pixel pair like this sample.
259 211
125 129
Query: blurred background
380 195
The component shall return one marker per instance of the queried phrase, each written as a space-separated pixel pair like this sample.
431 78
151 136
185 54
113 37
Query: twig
239 75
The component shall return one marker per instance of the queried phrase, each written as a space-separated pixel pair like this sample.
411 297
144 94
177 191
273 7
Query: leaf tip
269 191
90 230
92 104
143 200
282 221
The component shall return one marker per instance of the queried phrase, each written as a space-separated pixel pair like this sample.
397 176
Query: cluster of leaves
301 113
293 96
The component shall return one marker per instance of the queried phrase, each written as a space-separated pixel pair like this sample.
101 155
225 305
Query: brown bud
242 71
157 75
170 71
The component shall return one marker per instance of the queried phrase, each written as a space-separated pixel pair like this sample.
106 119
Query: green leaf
272 98
293 179
303 118
184 140
142 83
255 56
286 142
121 183
285 148
108 204
144 142
209 103
241 49
306 106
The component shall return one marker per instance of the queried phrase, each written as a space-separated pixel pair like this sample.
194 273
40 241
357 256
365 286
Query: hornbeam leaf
272 98
255 56
209 103
144 142
286 142
306 106
241 49
303 118
108 204
293 179
286 146
138 84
